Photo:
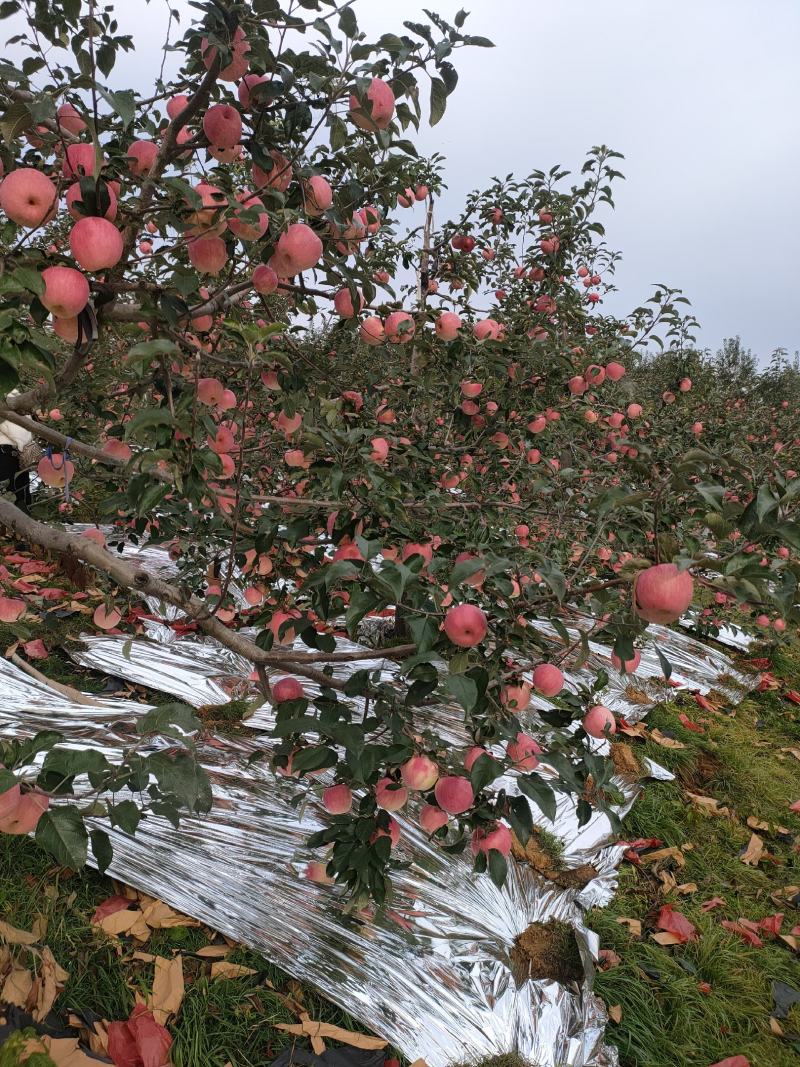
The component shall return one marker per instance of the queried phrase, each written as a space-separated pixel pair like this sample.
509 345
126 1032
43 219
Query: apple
28 197
66 291
465 625
375 110
95 243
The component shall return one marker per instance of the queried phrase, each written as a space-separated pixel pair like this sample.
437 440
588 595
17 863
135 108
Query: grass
698 1003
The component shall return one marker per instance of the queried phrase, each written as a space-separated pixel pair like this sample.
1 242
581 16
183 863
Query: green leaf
69 762
7 780
765 502
183 777
463 689
498 867
666 666
148 418
61 832
314 758
122 102
519 815
347 23
28 278
101 849
16 118
484 770
174 720
540 793
438 100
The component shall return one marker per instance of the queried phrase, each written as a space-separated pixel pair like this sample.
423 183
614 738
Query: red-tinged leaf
703 703
732 1061
642 843
52 593
608 959
714 902
795 931
632 857
704 987
771 924
760 663
793 696
767 682
744 933
22 586
795 806
687 722
16 558
139 1042
36 566
675 923
35 649
108 907
674 683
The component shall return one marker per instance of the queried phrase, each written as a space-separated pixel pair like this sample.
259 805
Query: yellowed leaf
39 927
634 925
12 936
52 979
708 805
664 937
775 1027
790 940
670 853
685 889
168 989
615 1013
224 969
213 952
419 1063
317 1031
665 742
667 880
160 916
754 851
64 1052
17 986
145 957
792 752
129 922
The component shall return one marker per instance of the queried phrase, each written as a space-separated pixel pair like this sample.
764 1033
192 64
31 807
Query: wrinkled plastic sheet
432 972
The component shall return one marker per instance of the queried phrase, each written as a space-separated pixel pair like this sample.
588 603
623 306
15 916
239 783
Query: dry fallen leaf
754 851
668 882
634 925
168 989
665 742
708 805
224 969
125 922
666 938
615 1013
775 1027
213 951
670 853
12 936
792 752
17 987
64 1052
52 980
685 889
790 940
160 916
316 1031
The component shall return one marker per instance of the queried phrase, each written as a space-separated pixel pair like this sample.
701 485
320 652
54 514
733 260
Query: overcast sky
701 96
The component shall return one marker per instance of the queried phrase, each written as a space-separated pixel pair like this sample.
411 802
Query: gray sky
701 96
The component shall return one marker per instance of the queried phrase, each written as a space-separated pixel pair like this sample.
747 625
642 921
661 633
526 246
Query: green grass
667 1019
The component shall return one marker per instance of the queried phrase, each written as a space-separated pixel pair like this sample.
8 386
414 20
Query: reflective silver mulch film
433 973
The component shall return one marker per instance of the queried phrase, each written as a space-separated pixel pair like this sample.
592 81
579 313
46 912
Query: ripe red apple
432 818
66 291
615 371
371 331
465 625
208 255
598 721
447 326
548 679
400 327
298 249
485 839
287 689
629 666
338 799
420 773
515 697
28 197
69 119
343 302
265 280
222 125
278 177
454 794
390 795
79 160
141 156
662 593
377 108
319 195
523 752
95 243
487 330
248 98
240 48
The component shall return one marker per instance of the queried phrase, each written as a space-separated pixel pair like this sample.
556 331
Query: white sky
702 97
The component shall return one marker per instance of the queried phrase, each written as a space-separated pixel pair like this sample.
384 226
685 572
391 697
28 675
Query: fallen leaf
674 922
714 902
667 879
754 851
225 969
667 939
12 936
213 951
168 989
795 806
775 1027
317 1031
732 1061
138 1041
687 723
65 1052
52 979
792 752
160 916
615 1013
789 940
637 730
742 931
35 649
17 987
634 925
670 853
685 889
609 958
664 741
109 907
708 805
125 922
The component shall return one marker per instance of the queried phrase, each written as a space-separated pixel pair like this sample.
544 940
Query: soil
547 951
543 863
625 761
